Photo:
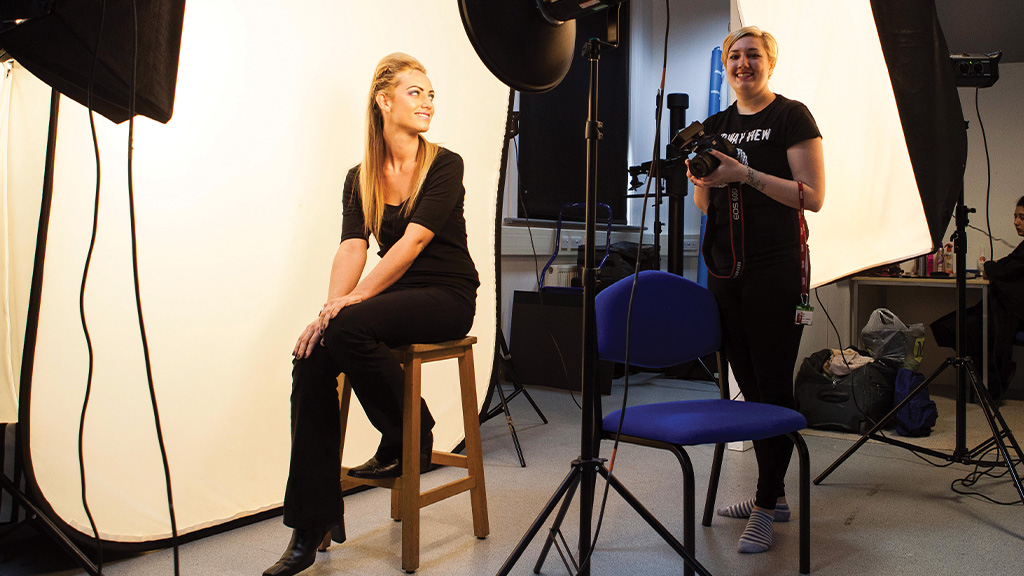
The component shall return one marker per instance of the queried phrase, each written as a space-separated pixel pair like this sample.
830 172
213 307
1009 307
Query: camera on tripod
693 140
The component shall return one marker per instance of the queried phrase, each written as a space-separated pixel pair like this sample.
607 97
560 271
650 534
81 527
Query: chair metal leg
805 502
689 508
716 474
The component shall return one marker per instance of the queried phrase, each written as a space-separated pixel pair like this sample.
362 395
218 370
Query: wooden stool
406 498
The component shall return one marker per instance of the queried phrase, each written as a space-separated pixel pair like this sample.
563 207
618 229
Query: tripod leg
506 361
653 522
556 526
570 481
48 527
532 403
998 427
881 423
511 425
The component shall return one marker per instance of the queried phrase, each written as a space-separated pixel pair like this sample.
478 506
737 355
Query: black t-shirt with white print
772 232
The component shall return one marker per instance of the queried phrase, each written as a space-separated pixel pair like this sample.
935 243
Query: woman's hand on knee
332 307
309 338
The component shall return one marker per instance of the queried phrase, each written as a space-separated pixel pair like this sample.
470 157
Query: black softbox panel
917 57
58 48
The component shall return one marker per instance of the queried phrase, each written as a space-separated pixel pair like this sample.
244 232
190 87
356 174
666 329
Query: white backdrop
8 392
238 202
831 60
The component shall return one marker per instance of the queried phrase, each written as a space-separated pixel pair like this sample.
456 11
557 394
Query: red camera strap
735 237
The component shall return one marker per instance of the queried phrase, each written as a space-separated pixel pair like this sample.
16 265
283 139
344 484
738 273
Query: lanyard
805 260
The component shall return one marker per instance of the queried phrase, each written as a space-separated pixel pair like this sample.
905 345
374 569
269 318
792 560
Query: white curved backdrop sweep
238 202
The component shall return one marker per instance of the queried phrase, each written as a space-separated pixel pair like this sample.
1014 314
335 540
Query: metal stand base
46 526
1002 438
506 360
567 490
503 406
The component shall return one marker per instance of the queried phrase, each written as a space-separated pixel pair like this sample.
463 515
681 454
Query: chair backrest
674 320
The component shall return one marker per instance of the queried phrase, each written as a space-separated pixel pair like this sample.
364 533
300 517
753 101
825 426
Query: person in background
408 193
758 297
1006 278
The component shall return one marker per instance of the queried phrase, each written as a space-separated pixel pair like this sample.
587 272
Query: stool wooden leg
410 481
474 449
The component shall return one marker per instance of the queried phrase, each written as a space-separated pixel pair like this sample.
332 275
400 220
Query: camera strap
735 237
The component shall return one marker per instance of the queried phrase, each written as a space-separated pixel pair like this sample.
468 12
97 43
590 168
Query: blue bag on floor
919 415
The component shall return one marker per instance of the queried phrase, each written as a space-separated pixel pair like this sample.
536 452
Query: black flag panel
929 106
59 48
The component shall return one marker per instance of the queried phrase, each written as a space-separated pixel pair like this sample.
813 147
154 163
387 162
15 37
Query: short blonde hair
771 46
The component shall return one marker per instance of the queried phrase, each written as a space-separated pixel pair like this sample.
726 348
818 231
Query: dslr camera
693 140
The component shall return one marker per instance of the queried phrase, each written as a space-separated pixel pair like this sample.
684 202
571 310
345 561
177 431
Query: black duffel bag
851 403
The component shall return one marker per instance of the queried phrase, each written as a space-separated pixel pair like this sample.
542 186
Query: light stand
964 369
528 45
584 471
39 517
502 356
59 42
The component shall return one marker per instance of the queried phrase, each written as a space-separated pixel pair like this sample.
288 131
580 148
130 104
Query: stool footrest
348 481
449 459
448 490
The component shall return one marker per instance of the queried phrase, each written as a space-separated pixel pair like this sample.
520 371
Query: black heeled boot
301 552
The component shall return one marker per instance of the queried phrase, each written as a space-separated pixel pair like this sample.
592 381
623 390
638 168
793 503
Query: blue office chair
674 321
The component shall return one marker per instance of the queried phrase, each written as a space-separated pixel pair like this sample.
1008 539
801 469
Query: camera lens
703 163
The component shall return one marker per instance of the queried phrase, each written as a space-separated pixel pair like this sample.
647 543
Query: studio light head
527 44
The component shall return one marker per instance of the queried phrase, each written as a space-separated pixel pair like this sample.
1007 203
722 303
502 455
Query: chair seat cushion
692 422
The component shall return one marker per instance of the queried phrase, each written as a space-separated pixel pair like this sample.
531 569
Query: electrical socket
690 245
564 242
577 241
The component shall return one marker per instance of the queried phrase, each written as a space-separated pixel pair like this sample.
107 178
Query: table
907 297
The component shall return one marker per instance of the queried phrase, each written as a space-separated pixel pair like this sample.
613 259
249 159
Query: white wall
1003 121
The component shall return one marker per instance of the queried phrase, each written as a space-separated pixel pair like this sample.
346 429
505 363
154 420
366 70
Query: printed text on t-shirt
738 138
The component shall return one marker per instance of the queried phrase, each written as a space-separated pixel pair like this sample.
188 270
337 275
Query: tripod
585 469
503 356
1002 438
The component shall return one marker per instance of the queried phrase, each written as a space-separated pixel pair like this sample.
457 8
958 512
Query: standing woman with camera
408 194
757 267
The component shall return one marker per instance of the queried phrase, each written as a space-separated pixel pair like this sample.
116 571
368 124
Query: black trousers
358 342
761 342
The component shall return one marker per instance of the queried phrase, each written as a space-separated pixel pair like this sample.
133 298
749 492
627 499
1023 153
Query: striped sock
744 508
757 536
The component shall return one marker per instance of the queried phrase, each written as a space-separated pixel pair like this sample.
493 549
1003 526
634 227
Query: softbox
59 48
